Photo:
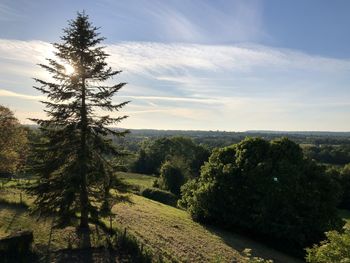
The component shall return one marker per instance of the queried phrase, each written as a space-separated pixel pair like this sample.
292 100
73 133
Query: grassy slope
172 233
140 180
163 229
14 217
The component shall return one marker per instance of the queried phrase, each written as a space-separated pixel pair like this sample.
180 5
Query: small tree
171 177
73 158
13 142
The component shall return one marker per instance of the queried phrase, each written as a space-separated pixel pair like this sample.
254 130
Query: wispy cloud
179 84
10 94
173 99
7 13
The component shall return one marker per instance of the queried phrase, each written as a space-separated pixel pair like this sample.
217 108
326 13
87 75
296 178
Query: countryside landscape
174 131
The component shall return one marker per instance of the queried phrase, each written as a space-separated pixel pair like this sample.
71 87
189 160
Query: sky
196 65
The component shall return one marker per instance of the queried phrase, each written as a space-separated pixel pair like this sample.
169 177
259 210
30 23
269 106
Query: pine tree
73 158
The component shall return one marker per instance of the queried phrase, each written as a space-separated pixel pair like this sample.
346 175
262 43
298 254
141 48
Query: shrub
171 177
336 248
266 188
161 196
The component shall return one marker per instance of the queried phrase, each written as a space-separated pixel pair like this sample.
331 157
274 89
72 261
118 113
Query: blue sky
208 65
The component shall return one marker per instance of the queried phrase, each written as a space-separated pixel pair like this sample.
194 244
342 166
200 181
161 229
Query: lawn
139 180
171 232
15 217
163 229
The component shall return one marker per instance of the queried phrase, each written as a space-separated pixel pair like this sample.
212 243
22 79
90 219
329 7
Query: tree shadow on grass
18 211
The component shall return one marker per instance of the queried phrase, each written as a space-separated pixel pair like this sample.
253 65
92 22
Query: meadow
167 232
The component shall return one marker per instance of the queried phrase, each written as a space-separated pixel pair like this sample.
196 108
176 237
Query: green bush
161 196
171 177
265 188
336 248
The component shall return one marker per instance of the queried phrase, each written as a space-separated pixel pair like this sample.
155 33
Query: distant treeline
324 147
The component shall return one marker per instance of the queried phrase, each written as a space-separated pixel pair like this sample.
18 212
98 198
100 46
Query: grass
139 180
15 216
163 229
5 182
13 219
11 195
172 233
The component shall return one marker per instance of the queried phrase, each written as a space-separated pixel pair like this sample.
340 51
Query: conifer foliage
73 159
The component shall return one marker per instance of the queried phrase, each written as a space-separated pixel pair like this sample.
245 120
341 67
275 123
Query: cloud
173 99
183 85
8 13
11 94
160 59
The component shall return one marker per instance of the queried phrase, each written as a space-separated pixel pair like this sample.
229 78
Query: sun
69 69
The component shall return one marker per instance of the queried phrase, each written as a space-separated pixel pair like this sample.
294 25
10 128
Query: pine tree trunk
84 224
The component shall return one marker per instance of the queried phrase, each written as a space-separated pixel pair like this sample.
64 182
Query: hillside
165 230
171 232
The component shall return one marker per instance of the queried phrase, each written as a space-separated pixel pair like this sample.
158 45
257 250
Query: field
163 229
139 180
171 232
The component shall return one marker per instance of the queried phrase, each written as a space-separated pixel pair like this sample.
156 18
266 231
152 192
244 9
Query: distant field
172 233
140 180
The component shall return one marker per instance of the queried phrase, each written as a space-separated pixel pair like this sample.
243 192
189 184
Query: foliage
154 153
339 154
248 258
13 143
72 158
243 185
171 177
345 184
161 196
336 248
342 177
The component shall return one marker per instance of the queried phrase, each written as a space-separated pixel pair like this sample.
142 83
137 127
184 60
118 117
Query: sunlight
69 69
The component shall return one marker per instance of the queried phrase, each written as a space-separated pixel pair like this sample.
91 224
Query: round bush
267 188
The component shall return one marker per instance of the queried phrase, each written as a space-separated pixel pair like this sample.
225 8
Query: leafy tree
339 154
345 184
13 142
154 153
342 176
268 188
72 159
171 177
336 248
